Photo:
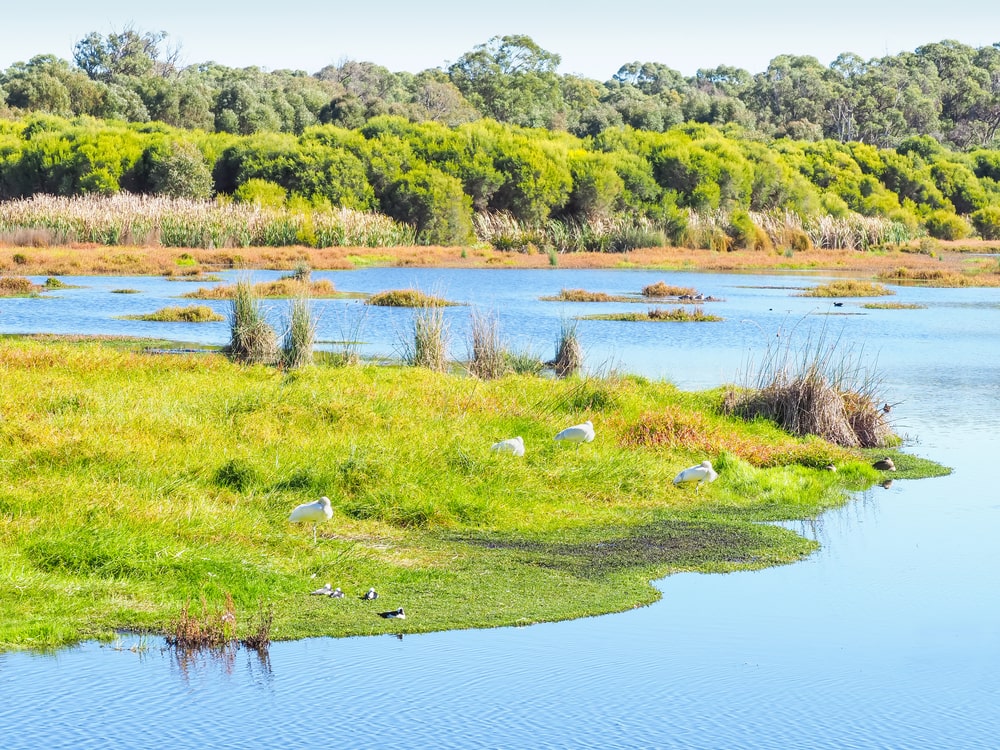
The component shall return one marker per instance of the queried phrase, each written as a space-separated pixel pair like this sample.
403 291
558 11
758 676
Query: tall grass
300 334
818 388
125 219
569 352
251 340
488 357
429 347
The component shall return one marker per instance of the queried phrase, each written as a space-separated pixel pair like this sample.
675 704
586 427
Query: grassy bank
133 485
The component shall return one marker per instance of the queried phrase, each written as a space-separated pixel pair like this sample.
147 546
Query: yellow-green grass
663 289
407 298
939 277
893 306
848 288
189 314
133 485
583 295
677 315
279 289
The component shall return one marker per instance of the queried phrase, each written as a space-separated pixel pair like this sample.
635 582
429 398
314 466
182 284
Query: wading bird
514 446
396 613
313 513
578 433
703 472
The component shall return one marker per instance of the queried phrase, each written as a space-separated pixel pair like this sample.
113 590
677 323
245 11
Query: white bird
313 513
370 595
578 433
514 446
326 590
396 613
703 472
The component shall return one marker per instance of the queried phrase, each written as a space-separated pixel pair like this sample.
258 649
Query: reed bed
616 234
429 347
252 340
937 277
126 219
300 334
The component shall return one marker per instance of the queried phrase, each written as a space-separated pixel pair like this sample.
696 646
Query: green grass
893 306
189 314
677 315
848 288
407 298
133 485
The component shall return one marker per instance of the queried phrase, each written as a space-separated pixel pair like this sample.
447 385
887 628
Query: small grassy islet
133 485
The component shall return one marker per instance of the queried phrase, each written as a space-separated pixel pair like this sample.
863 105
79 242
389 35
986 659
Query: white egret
703 472
394 613
314 513
514 446
578 433
370 594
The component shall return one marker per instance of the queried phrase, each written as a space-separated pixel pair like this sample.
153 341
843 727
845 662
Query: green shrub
987 222
944 225
261 192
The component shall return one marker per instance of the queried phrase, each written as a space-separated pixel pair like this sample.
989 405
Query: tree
510 79
125 53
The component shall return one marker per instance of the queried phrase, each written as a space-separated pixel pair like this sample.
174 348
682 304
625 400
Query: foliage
406 298
189 314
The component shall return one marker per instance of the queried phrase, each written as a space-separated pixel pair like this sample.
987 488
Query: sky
594 39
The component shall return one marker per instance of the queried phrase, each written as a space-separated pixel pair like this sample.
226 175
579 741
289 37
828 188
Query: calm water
887 637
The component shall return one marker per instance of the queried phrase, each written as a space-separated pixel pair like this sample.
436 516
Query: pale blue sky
593 38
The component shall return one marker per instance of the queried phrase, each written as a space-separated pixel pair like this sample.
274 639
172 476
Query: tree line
441 180
946 90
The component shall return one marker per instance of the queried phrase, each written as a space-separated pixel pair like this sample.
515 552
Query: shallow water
887 637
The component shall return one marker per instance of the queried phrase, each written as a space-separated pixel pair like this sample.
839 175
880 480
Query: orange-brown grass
17 286
938 277
269 289
582 295
407 298
662 289
677 429
209 629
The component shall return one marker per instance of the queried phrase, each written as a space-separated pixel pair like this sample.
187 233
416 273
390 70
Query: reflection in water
889 636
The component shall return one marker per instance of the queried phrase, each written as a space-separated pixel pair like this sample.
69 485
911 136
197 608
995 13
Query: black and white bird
397 614
370 595
314 513
337 593
325 590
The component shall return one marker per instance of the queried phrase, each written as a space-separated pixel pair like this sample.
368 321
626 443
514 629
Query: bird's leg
314 534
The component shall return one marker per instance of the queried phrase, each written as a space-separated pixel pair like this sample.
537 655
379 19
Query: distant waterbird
397 614
326 590
337 593
314 513
884 464
699 474
370 595
578 433
514 446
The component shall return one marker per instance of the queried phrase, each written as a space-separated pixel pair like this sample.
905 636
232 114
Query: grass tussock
488 357
848 288
18 286
429 347
300 335
818 390
407 298
206 629
661 314
280 289
662 289
569 351
189 314
251 340
938 277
